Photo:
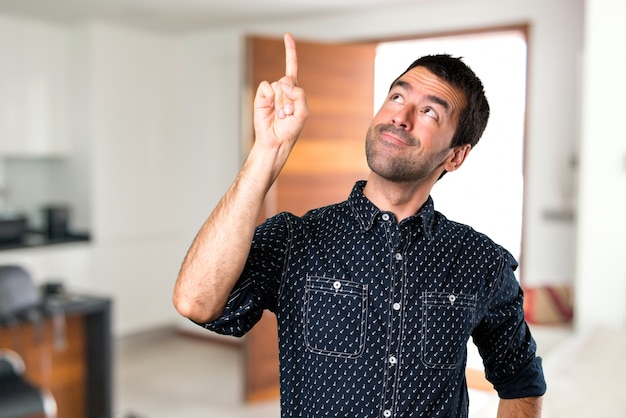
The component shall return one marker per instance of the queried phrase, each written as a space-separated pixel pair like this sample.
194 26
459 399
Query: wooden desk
75 365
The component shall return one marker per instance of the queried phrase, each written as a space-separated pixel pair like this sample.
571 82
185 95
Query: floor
166 374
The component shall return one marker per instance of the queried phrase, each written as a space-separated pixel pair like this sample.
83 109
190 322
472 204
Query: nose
403 118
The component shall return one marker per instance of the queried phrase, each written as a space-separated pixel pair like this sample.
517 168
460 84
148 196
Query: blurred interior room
123 123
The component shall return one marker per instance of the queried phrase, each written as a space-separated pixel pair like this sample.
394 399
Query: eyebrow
406 86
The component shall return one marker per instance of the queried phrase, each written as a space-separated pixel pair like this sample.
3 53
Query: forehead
422 82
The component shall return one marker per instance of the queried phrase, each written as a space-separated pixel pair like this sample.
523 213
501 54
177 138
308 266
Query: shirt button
398 256
386 413
337 285
385 216
393 360
396 306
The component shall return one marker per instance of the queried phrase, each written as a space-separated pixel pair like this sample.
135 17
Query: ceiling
177 15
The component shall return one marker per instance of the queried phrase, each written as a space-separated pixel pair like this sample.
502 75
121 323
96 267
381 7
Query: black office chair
20 300
18 397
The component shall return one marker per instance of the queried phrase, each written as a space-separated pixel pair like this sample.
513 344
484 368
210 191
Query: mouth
392 139
392 135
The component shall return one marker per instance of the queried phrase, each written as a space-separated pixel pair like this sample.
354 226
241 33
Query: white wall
211 122
136 153
601 272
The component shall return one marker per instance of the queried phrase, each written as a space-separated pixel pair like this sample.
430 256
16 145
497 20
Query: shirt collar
366 213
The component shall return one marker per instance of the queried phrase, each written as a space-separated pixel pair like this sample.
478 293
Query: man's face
410 136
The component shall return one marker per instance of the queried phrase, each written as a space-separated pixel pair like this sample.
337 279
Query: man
376 297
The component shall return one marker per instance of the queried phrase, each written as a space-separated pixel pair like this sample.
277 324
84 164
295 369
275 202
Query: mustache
395 131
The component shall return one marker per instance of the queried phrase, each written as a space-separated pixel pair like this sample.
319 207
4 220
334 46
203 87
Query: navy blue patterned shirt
374 316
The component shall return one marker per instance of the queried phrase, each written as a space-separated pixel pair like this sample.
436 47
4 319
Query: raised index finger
291 59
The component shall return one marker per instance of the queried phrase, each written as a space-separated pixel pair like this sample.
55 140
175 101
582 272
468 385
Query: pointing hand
280 108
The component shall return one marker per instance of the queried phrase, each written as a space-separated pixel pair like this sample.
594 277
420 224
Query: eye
396 97
431 113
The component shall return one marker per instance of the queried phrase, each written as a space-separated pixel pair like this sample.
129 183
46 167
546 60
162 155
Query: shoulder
321 215
471 239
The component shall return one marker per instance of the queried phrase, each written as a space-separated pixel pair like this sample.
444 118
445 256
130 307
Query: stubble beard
401 168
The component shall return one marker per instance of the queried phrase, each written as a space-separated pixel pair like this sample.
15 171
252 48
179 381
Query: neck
402 199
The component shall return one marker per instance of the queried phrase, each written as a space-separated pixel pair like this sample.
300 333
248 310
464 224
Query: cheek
436 141
438 136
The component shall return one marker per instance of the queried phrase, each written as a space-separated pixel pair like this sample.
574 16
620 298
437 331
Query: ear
457 157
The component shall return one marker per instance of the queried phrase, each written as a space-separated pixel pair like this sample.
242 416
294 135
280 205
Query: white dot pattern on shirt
339 326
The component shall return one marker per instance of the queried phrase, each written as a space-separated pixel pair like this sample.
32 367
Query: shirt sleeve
505 342
257 287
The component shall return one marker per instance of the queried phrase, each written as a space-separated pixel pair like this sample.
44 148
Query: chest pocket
336 315
448 320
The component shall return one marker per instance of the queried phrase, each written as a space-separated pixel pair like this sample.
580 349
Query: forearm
520 408
218 253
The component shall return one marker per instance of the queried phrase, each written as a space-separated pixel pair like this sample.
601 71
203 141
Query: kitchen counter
33 239
74 361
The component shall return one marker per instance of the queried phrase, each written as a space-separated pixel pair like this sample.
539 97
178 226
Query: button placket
394 347
397 243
